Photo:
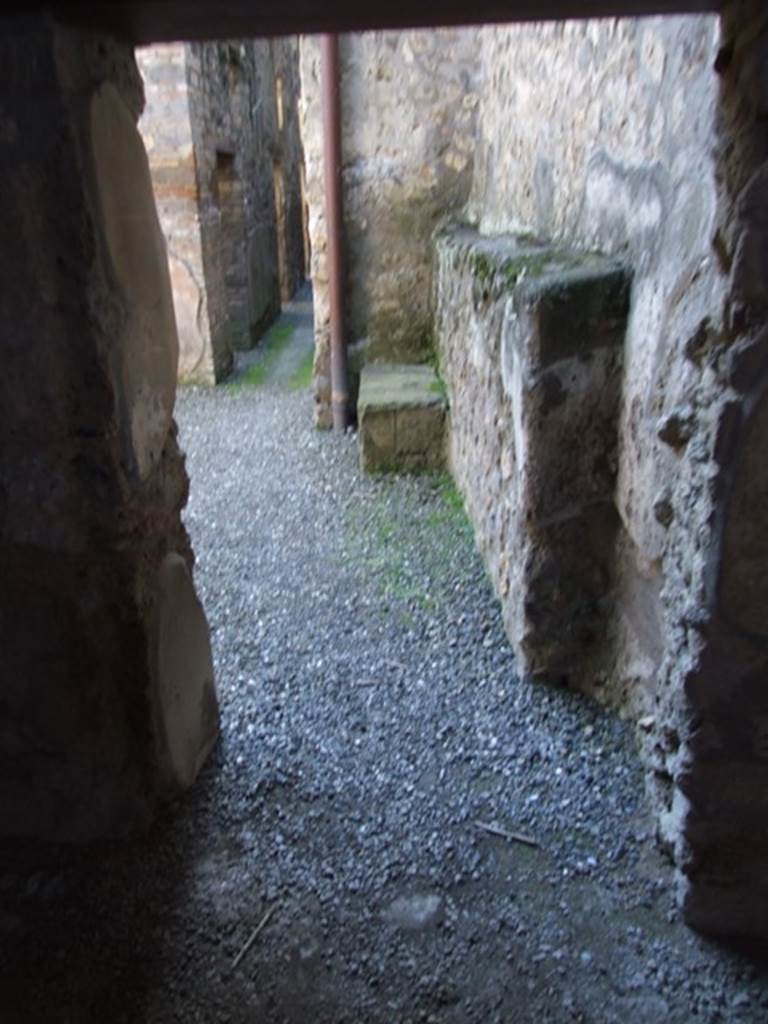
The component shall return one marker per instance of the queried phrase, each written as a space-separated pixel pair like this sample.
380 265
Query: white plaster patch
606 191
185 692
512 378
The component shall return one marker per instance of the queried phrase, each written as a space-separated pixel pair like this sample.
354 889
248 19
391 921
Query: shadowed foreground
363 812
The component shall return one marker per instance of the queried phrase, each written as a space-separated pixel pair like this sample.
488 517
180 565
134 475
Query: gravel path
371 719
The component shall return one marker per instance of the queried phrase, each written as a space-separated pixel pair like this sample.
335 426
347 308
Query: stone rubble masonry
408 113
104 709
619 136
215 146
401 419
530 343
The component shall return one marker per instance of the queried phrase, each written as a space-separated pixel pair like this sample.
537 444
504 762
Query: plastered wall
408 115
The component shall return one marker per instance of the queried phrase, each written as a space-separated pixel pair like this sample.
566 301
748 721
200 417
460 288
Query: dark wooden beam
148 21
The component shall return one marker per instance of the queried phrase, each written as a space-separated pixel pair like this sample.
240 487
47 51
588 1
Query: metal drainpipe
329 76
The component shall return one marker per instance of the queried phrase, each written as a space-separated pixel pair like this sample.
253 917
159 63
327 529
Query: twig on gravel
254 935
397 664
503 833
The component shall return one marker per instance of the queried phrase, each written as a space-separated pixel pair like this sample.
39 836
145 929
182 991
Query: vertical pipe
329 75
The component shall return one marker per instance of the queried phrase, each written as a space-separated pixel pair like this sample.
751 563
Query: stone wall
715 596
600 136
588 133
211 129
106 680
408 113
287 154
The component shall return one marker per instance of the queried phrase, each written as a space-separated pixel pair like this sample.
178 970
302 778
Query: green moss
425 344
438 387
253 377
280 334
384 469
481 266
514 270
275 341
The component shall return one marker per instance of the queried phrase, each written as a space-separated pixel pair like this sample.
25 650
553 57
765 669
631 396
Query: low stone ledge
401 414
574 302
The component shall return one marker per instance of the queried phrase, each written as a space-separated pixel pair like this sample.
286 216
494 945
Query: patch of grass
253 377
281 333
451 515
273 344
301 378
410 552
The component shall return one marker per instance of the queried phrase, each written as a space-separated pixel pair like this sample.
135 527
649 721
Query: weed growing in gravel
414 569
451 514
301 378
254 377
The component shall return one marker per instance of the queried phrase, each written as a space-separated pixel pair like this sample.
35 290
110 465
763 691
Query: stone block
150 349
419 436
401 418
377 440
529 338
743 582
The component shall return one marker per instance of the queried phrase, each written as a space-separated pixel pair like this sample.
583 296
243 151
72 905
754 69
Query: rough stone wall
408 113
588 133
214 142
601 135
288 157
715 597
233 107
101 708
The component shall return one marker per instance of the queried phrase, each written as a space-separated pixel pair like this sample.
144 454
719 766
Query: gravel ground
374 739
